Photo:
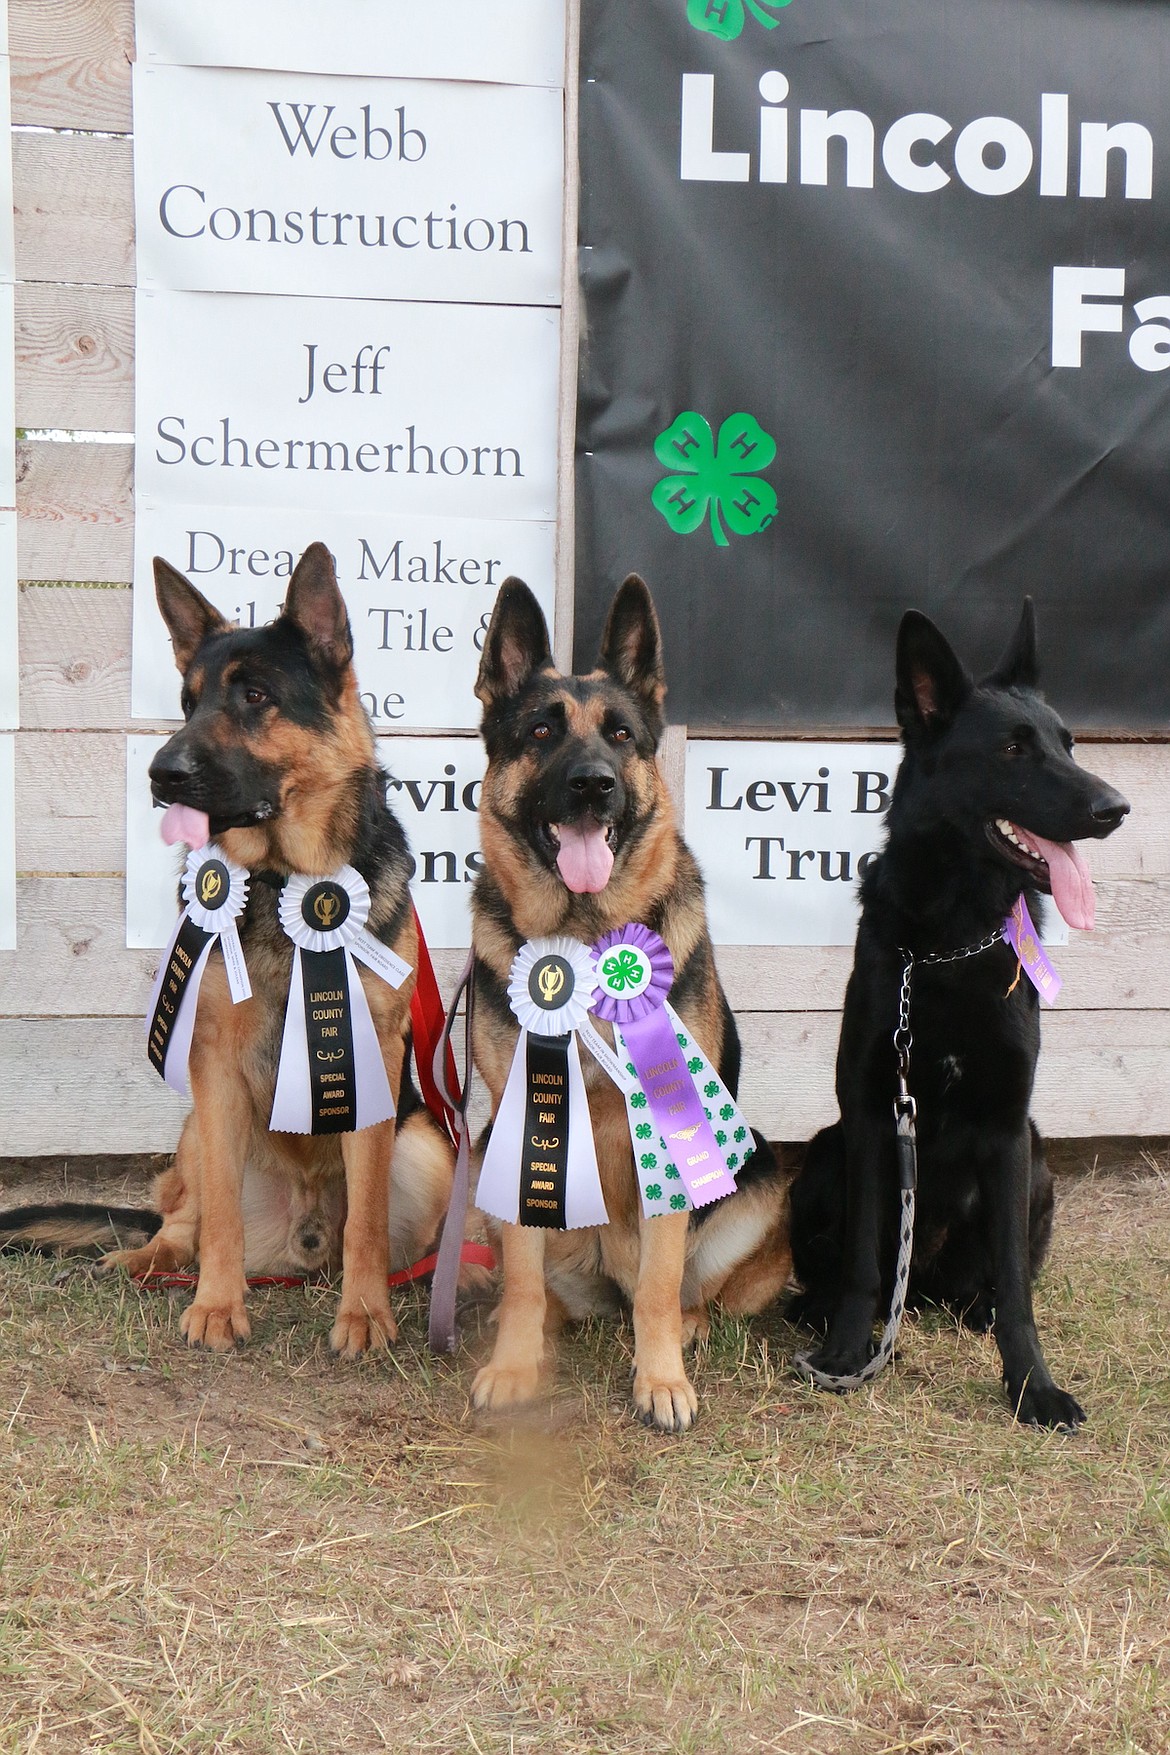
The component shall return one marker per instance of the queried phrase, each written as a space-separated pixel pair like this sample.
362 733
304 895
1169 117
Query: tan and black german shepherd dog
579 837
276 762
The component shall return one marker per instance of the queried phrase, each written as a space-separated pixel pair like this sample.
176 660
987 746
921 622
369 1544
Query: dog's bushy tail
76 1228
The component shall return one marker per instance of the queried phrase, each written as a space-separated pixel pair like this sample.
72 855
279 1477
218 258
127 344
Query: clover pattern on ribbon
711 1089
649 1160
726 1113
740 1133
694 1065
638 1100
725 19
622 969
653 1191
671 1172
678 1202
715 479
643 1130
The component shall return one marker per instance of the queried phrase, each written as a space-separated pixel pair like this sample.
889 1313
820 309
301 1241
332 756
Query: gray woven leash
906 1143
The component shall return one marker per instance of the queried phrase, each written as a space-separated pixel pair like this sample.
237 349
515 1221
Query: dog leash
479 1254
444 1281
906 1145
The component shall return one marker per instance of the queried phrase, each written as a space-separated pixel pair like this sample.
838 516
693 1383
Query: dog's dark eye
541 731
255 696
1013 749
188 704
623 734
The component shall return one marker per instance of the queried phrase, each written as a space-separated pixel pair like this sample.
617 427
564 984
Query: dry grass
273 1552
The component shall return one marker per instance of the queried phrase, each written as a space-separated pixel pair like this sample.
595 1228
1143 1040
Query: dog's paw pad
670 1406
504 1386
362 1331
219 1327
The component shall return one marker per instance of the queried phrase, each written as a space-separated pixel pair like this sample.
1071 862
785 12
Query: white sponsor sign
784 831
7 843
340 405
9 657
432 787
518 42
419 591
354 187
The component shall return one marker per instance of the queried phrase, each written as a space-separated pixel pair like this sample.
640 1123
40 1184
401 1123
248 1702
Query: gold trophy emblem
210 885
550 979
325 908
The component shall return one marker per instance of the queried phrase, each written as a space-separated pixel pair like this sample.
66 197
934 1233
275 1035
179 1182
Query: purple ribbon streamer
676 1107
1021 935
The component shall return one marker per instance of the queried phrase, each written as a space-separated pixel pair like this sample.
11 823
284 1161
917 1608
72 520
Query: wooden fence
75 1076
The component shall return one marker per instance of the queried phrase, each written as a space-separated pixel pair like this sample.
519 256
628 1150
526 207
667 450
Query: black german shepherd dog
987 803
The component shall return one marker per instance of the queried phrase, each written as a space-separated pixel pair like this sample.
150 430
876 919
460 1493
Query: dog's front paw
218 1326
835 1362
668 1403
362 1331
1045 1405
696 1327
505 1386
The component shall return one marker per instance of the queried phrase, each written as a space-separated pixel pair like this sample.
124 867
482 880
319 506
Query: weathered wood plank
74 657
71 63
73 209
73 959
1100 1074
84 1085
75 357
70 802
75 505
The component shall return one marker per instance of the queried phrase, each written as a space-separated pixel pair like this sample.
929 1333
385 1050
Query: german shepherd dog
578 838
276 762
987 803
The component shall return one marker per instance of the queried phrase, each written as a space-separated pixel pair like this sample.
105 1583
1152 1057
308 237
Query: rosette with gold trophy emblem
331 1077
215 891
540 1167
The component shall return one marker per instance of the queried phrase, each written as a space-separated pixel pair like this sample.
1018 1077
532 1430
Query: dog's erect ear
516 645
1019 668
932 684
187 613
314 604
631 646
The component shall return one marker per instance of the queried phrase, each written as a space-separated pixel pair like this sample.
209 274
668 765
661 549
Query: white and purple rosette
634 975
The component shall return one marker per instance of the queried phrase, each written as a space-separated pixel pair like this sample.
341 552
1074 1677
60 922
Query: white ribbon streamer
204 871
498 1192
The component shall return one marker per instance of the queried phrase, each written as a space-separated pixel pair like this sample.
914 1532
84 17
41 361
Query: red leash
428 1020
478 1254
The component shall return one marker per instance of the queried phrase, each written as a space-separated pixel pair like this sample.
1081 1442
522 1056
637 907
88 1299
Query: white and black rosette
215 891
540 1167
331 1077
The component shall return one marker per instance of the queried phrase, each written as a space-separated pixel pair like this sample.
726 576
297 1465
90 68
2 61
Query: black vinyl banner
877 314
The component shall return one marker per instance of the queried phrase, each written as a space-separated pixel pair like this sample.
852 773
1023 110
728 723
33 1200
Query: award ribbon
215 891
687 1131
1021 935
540 1166
331 1077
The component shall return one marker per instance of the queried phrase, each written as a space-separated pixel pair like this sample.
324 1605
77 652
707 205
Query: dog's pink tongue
1072 883
181 823
585 860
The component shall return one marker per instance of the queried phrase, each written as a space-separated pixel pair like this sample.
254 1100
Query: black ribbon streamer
329 1036
544 1160
185 954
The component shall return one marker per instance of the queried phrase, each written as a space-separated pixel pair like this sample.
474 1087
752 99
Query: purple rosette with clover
634 976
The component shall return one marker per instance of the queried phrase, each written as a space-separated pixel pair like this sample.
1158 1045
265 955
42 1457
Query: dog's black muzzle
233 797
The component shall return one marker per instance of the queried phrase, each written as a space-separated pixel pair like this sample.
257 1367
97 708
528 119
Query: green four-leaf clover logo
678 1202
653 1191
725 18
625 968
716 478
